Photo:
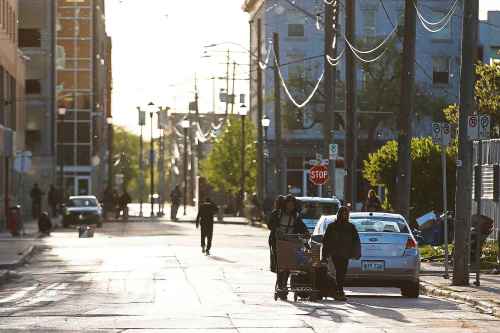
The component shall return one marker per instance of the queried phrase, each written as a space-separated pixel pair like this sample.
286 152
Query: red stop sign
318 174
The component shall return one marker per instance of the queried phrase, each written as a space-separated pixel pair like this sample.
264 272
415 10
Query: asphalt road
152 277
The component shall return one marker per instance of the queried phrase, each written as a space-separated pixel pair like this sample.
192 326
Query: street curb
485 307
22 260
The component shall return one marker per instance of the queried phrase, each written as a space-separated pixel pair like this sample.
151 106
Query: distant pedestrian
53 200
285 219
44 224
108 201
175 198
123 203
36 195
341 243
205 218
372 203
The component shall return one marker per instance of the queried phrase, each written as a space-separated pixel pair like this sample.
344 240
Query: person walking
123 202
175 198
36 201
205 218
108 202
372 203
285 219
44 224
341 242
53 200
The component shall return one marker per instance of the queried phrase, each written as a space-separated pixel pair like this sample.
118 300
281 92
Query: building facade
12 117
83 91
301 55
37 42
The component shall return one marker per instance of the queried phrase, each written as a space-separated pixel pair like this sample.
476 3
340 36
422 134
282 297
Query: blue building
301 55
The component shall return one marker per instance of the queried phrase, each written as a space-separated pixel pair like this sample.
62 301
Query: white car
389 252
82 210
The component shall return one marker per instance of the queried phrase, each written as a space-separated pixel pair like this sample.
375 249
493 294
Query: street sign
319 157
318 175
472 128
22 162
484 127
334 151
314 162
437 134
446 134
142 118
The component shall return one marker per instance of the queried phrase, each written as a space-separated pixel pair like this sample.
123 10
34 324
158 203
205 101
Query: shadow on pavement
216 258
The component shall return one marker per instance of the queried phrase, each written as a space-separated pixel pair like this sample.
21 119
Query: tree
222 166
487 92
381 167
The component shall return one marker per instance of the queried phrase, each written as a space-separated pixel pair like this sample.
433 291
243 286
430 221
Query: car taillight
411 244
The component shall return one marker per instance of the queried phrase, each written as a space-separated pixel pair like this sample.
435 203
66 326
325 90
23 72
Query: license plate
372 266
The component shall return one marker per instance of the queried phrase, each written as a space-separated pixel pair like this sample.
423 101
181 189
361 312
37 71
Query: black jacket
341 240
206 213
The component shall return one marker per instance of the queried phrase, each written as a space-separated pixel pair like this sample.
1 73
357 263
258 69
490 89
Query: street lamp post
109 121
61 112
243 114
185 124
142 123
152 162
266 122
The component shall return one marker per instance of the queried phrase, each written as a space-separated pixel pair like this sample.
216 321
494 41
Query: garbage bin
14 221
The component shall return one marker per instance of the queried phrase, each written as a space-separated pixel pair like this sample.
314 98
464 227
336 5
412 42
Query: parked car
312 208
389 252
81 210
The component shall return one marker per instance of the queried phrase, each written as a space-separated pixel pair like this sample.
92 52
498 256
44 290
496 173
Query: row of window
8 19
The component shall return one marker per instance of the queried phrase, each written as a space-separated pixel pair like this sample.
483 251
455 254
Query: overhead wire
428 25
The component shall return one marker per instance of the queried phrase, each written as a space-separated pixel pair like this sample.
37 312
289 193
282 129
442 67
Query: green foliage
487 89
381 169
222 166
451 114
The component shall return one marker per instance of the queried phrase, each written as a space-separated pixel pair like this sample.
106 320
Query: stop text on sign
318 175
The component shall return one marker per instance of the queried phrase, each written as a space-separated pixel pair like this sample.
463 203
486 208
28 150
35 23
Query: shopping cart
295 255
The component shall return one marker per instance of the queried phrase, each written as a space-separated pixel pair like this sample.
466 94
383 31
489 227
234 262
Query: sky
158 48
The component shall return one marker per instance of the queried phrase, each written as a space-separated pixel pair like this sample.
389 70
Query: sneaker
202 249
207 252
340 297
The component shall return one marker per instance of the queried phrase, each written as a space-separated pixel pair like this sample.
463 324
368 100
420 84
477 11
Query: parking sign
334 151
472 128
446 134
437 135
484 127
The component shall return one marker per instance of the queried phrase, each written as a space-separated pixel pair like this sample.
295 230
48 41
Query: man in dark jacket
372 203
205 218
285 219
175 198
341 242
53 200
36 201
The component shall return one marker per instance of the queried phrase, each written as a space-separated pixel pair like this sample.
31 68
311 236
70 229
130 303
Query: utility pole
407 106
463 204
227 80
152 166
260 111
233 99
331 15
351 119
277 175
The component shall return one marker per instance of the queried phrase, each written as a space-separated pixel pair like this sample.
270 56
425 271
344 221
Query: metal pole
61 157
478 212
233 96
141 171
351 119
151 167
445 210
260 113
464 160
227 81
160 181
185 169
242 176
110 156
277 119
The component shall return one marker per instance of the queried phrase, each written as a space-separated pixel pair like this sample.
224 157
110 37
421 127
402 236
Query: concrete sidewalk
486 297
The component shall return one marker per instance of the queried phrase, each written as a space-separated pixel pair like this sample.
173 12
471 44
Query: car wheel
412 290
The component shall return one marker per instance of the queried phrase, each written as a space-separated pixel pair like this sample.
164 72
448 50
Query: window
33 87
295 30
445 34
295 22
370 23
83 155
29 38
83 132
440 70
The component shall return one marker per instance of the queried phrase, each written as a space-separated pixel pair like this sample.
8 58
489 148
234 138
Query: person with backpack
205 219
341 243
